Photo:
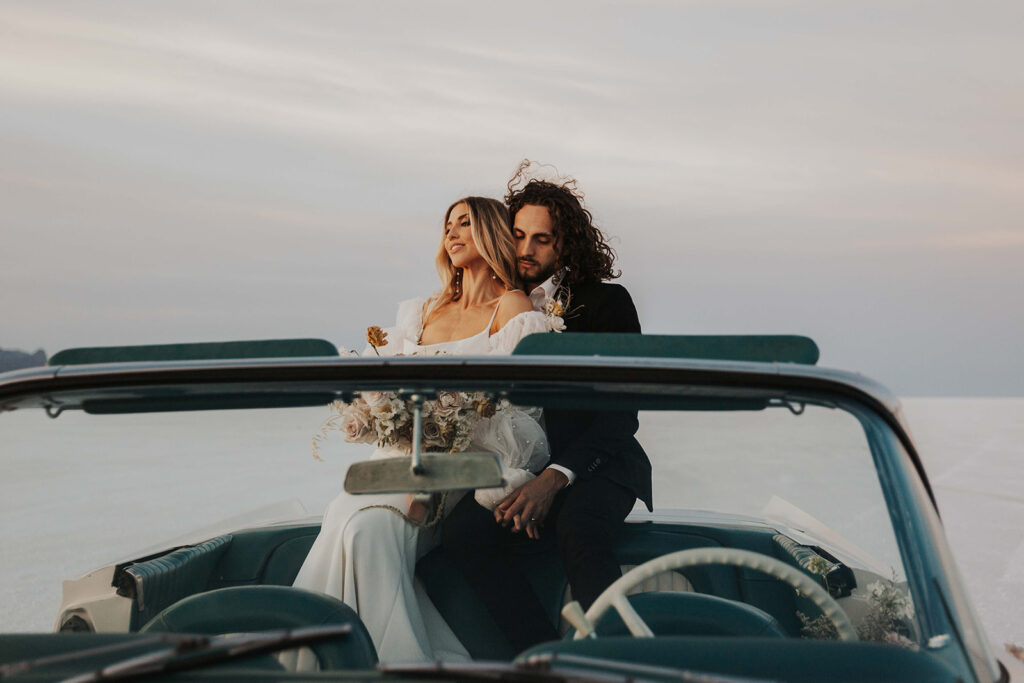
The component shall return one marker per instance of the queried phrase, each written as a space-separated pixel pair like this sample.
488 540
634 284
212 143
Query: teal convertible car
794 536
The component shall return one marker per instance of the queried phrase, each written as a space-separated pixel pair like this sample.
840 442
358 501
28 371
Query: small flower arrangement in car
888 611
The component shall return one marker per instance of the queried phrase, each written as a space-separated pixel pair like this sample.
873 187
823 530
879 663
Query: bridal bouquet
385 419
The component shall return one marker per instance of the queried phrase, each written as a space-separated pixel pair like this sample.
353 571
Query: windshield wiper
28 664
561 668
203 651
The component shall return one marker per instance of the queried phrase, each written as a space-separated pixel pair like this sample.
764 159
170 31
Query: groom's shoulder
601 307
602 291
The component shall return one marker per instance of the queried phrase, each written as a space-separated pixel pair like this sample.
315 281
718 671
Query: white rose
374 398
387 409
356 425
384 428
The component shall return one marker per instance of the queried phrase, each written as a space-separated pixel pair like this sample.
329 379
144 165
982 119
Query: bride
367 549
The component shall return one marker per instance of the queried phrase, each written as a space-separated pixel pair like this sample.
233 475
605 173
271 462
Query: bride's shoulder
512 304
521 325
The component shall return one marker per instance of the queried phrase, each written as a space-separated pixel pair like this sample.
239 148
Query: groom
597 468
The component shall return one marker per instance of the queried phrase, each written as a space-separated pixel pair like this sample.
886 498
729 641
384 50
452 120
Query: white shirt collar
545 291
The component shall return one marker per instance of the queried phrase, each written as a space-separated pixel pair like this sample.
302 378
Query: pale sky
200 171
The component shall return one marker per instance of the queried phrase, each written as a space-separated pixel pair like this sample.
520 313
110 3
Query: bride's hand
528 506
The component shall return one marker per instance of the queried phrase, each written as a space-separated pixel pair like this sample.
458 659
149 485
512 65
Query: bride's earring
457 285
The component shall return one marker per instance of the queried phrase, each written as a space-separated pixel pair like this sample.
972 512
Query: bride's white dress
367 557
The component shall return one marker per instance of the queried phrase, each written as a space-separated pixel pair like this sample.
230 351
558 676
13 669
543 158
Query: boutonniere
553 311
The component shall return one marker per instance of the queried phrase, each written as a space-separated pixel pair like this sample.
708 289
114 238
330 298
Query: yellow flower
447 435
486 408
376 337
555 308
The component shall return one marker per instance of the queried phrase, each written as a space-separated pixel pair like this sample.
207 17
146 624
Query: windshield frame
37 387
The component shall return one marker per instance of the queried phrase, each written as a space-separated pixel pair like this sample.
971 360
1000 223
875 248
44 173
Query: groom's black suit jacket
612 471
600 443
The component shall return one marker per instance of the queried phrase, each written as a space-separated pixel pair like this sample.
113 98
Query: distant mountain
15 360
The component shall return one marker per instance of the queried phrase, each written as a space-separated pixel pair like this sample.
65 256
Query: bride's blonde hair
489 226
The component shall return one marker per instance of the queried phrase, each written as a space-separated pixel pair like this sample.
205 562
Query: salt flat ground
69 502
973 450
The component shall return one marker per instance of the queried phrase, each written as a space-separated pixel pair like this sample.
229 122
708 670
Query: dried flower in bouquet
376 337
485 407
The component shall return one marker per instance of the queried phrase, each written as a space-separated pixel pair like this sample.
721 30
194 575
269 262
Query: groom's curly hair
585 252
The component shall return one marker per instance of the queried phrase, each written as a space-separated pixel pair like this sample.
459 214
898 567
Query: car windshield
793 478
811 471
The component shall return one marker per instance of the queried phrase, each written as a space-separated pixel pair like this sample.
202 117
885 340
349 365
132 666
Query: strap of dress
494 315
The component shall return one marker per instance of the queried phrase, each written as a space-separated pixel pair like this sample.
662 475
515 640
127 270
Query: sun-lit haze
196 171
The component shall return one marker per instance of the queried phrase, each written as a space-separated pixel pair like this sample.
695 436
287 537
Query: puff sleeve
522 447
523 325
408 325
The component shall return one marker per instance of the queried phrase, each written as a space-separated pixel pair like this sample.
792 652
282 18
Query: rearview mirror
436 473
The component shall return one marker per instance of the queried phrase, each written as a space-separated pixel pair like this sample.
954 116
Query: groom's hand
527 506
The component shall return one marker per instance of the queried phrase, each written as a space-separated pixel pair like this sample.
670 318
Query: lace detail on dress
522 448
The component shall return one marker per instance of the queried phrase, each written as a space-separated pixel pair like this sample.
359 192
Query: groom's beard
533 274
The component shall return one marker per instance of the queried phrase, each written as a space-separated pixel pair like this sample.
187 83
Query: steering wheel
615 594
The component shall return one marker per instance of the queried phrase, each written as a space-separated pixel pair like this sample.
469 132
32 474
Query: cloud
315 143
984 239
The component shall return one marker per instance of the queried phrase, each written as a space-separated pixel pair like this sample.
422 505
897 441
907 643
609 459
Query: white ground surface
973 450
89 516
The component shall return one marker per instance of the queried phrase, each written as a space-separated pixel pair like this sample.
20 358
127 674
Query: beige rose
356 425
448 404
432 434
